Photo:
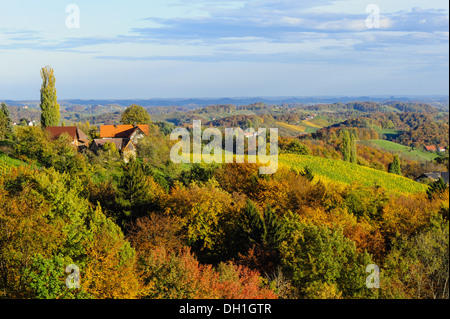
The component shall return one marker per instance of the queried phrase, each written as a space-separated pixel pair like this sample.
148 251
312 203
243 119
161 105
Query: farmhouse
431 148
434 176
132 132
124 137
79 139
124 146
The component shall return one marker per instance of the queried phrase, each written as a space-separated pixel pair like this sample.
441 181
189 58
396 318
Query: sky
215 48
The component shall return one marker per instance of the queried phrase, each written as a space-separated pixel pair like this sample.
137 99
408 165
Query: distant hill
437 101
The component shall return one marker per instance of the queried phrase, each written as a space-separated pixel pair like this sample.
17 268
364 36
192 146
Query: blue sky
216 48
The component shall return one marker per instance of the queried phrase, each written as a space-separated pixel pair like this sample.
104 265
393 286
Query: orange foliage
407 214
180 276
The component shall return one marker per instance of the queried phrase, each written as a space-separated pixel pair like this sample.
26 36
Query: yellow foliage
110 271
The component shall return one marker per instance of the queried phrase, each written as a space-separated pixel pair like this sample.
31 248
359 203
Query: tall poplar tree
353 154
49 105
346 145
5 122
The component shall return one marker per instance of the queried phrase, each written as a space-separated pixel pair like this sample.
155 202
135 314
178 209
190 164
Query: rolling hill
346 173
402 150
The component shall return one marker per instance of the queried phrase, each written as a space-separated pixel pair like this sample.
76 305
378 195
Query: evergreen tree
134 197
49 105
295 147
308 173
273 229
256 227
395 167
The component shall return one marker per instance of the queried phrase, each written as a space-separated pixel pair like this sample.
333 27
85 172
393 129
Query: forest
151 229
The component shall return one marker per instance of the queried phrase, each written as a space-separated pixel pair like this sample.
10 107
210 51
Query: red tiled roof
430 148
121 130
56 131
73 132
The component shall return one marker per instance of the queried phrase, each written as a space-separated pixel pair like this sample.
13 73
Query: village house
124 137
124 146
79 139
430 148
131 132
434 176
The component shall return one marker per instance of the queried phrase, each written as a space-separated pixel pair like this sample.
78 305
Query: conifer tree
395 167
133 198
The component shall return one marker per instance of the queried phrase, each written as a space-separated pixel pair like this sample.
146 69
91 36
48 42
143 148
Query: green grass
402 150
347 173
7 163
388 132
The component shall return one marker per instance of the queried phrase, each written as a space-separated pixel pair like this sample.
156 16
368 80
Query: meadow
402 150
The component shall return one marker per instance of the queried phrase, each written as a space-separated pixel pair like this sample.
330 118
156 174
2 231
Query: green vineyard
347 173
7 163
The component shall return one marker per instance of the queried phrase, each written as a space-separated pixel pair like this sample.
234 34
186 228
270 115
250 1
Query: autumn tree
135 115
417 267
46 225
317 257
154 148
170 275
437 188
49 105
33 143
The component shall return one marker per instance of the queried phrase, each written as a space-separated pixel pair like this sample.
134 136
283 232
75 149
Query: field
389 133
403 151
348 173
293 128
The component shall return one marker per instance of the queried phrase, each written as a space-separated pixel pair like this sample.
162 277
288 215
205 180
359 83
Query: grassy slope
403 151
6 163
347 173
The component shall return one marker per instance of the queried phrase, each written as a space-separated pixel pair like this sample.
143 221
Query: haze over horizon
218 49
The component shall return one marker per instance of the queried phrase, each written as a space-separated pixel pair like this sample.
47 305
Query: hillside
347 173
6 163
402 150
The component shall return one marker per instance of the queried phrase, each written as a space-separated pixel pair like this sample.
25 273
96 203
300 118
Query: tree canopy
135 115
